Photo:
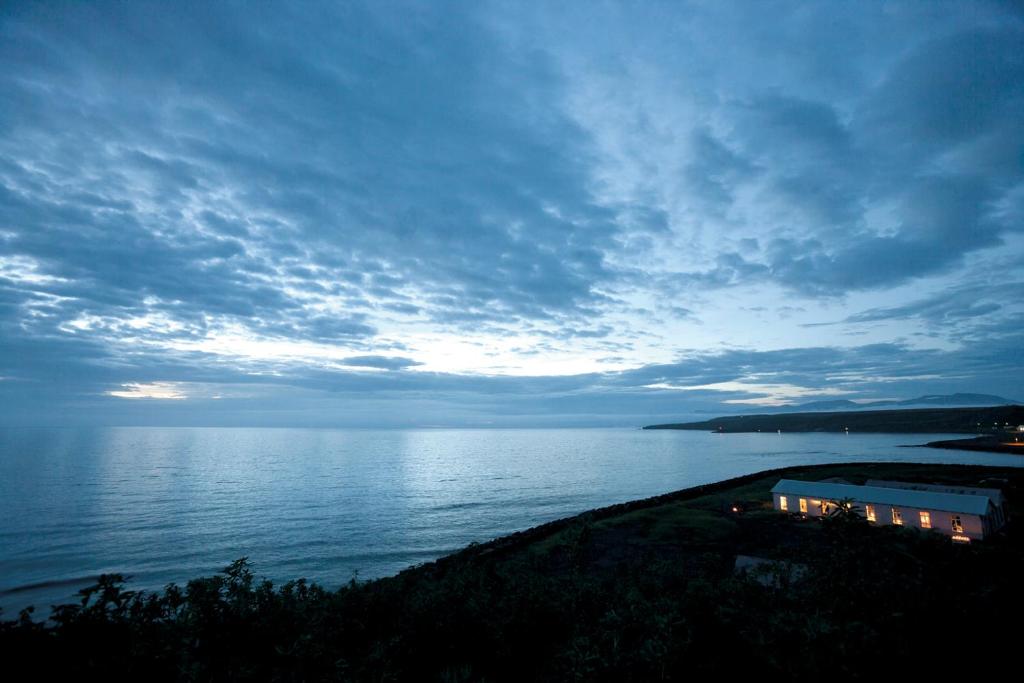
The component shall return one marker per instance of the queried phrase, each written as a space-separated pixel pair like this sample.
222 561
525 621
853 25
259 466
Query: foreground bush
857 603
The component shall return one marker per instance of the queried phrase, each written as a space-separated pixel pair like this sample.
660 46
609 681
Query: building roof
925 500
994 494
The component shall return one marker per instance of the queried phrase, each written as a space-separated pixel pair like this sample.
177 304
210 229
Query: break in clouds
502 213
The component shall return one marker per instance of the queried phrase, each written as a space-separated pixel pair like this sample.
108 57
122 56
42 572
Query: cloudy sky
505 213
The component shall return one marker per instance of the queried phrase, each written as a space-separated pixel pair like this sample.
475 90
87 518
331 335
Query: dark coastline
907 421
981 443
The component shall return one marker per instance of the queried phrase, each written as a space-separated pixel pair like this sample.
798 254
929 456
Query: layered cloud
488 212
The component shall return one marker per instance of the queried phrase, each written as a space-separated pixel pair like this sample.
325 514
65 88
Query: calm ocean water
167 505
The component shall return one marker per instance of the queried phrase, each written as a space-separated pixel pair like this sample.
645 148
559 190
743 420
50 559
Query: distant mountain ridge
960 420
960 400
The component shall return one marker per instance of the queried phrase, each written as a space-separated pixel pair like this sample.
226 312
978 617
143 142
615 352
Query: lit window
958 526
870 511
926 520
897 517
783 503
803 505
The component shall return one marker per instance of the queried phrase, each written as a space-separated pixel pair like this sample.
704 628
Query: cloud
446 205
698 385
380 362
243 195
951 306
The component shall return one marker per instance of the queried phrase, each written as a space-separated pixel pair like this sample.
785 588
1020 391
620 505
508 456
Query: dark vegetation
921 421
636 592
1009 443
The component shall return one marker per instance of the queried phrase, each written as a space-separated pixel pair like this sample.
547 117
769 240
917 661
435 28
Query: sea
163 505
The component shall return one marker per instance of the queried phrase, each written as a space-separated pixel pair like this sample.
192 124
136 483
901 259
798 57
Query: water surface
169 504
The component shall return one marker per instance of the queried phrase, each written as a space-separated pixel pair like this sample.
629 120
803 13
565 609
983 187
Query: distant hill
945 400
922 420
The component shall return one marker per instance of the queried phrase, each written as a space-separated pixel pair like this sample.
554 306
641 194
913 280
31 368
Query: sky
419 214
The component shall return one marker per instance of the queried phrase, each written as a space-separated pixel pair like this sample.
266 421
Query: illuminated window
803 505
958 526
897 517
926 520
783 503
870 511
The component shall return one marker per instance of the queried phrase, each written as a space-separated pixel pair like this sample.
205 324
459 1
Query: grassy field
702 520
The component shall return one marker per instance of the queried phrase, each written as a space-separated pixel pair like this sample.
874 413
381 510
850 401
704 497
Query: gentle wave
81 581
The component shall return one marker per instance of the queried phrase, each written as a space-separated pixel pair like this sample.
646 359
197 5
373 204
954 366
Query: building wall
941 520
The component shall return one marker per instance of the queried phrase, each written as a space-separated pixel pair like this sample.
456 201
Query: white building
963 513
995 495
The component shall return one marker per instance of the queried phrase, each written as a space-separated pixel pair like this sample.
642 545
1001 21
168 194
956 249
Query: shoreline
966 421
511 543
985 444
520 539
717 559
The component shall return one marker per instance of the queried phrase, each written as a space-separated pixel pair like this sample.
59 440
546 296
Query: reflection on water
170 504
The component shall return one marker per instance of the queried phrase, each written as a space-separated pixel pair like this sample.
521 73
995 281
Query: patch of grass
673 522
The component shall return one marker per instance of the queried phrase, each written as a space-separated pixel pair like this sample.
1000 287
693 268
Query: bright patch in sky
161 390
771 394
